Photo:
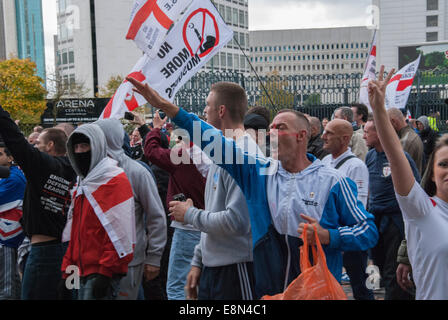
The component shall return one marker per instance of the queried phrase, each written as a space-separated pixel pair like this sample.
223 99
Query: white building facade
408 22
8 29
92 45
310 51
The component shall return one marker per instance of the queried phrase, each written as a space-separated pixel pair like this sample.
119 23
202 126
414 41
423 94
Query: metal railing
317 95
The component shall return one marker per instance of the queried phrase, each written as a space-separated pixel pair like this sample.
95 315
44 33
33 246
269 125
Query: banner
399 87
189 45
151 20
369 74
125 99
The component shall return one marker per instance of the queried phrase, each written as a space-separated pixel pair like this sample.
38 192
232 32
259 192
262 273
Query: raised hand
153 97
377 89
158 122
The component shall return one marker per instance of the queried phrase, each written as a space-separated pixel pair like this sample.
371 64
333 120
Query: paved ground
379 294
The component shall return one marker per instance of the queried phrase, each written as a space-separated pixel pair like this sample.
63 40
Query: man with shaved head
336 139
283 194
315 144
357 143
409 139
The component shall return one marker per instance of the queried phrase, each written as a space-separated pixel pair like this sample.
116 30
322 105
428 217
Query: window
236 61
235 17
222 11
432 5
432 21
242 22
223 59
64 58
71 57
431 36
242 40
242 62
228 15
229 60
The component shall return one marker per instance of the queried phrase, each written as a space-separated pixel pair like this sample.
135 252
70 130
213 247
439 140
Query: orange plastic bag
315 282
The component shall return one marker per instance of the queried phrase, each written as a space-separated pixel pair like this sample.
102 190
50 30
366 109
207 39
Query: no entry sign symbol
201 32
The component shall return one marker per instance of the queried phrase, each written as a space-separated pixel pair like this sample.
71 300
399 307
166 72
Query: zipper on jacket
288 263
79 237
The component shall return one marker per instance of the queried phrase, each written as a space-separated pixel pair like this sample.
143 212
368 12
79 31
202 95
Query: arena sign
73 111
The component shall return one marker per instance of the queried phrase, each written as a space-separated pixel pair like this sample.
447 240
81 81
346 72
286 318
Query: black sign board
73 111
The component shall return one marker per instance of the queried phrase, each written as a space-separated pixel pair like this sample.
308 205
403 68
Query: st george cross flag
151 20
369 74
190 44
399 87
115 210
125 99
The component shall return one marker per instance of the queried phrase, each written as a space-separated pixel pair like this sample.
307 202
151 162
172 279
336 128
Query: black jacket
315 147
49 179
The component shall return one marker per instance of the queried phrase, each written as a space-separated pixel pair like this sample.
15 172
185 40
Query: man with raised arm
280 193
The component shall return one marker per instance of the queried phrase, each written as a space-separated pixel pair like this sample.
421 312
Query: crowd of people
92 213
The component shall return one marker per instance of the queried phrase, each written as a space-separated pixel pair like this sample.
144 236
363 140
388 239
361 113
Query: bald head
397 119
341 127
337 136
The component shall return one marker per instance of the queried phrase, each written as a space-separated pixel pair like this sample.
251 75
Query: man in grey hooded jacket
149 214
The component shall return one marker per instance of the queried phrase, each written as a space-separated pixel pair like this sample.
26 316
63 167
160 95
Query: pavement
378 294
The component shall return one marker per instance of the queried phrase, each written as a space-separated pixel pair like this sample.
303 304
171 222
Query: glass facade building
30 33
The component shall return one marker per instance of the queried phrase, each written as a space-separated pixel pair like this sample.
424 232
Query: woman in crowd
425 208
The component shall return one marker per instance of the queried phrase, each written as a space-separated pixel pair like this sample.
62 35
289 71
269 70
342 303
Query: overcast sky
263 15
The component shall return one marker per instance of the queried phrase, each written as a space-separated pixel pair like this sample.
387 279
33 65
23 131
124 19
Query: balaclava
83 160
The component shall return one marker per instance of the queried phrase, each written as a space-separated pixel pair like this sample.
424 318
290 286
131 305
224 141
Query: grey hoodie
424 120
224 224
97 145
150 216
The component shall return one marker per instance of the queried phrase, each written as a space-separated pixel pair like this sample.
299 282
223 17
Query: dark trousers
355 262
231 282
43 272
156 289
384 255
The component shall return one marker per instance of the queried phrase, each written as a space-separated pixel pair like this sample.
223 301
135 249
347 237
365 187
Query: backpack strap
344 161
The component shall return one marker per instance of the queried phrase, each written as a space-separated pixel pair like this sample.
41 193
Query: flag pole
251 66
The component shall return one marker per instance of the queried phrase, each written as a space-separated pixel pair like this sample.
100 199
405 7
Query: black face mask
83 161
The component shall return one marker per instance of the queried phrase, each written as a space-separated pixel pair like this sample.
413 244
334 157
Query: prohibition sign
205 13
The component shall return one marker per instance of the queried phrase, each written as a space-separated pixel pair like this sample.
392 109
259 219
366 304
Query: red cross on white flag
151 20
399 87
369 74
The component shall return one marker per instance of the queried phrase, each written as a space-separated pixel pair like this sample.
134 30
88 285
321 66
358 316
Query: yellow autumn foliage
22 93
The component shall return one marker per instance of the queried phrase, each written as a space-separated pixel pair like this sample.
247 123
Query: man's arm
27 156
358 231
147 195
209 137
154 152
232 221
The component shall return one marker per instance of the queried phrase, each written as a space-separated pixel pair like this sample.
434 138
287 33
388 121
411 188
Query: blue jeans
355 262
181 254
43 271
85 291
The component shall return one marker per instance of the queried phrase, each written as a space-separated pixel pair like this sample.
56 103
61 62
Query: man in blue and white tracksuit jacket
276 198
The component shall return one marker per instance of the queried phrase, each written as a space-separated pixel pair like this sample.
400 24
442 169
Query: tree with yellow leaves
277 93
111 87
22 93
